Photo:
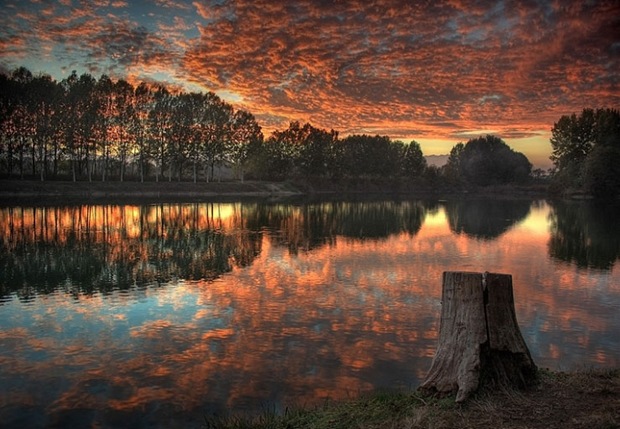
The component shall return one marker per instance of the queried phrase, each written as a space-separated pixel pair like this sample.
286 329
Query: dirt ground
559 401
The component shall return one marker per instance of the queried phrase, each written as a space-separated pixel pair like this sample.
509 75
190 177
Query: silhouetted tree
78 122
300 150
370 156
316 153
218 131
488 161
124 121
245 137
602 171
453 165
160 124
577 138
143 104
104 92
414 163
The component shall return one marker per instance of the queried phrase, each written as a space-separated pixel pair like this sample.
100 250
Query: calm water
148 316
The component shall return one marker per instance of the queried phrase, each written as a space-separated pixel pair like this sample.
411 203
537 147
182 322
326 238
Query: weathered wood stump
479 338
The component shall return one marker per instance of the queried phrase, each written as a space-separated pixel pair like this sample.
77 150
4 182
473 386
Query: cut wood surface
479 338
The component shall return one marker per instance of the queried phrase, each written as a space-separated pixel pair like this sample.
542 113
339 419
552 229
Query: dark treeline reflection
585 233
101 248
309 226
86 249
485 219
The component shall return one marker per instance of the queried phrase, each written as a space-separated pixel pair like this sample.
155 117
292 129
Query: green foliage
372 410
585 152
602 171
246 137
414 163
89 128
86 127
487 161
453 166
376 156
572 138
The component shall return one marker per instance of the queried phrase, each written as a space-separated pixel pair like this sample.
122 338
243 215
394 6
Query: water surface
152 316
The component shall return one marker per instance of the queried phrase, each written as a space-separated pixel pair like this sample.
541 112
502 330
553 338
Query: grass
587 399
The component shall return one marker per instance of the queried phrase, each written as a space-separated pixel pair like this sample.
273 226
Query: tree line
586 152
85 128
98 129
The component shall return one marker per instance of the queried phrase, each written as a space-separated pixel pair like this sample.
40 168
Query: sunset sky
438 72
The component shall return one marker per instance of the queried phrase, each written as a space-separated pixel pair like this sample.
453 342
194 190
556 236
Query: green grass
368 411
584 399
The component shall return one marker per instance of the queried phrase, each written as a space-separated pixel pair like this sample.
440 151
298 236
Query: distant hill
436 160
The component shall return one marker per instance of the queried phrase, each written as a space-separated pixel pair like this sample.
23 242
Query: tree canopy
89 128
85 128
486 161
586 151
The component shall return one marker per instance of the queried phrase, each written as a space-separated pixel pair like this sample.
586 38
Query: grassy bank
560 400
20 191
54 191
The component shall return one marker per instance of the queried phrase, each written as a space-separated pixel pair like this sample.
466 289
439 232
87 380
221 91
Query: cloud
392 63
387 66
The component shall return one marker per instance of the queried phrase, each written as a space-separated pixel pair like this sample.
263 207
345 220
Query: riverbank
20 191
560 400
28 191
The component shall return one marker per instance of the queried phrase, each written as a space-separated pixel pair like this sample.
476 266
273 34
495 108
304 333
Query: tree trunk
479 338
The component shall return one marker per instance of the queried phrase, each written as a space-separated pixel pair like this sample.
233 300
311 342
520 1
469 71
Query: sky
437 72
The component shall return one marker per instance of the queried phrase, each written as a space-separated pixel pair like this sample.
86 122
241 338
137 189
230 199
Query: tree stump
479 338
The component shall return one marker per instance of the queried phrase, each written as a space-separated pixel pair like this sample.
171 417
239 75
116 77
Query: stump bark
479 338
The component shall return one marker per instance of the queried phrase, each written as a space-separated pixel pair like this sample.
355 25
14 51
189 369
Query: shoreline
558 400
28 191
16 191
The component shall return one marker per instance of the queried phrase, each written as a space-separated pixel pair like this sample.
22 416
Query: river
158 315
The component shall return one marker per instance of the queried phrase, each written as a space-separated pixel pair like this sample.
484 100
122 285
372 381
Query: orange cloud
405 69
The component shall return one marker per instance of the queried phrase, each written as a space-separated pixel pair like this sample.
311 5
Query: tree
245 136
104 91
194 113
602 171
20 123
315 157
8 102
180 138
284 149
43 106
578 155
572 138
159 125
217 132
414 163
124 119
143 104
453 166
370 156
78 121
488 161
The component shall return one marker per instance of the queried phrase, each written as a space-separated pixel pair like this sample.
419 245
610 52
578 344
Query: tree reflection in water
585 233
308 226
275 303
86 249
486 219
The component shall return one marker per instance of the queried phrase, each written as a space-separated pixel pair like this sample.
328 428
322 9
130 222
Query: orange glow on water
183 304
